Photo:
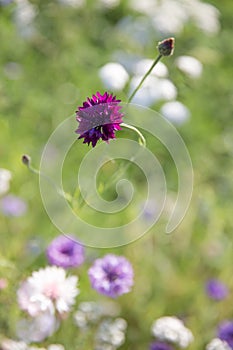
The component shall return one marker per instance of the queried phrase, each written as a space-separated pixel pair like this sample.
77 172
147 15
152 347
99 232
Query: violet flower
157 345
216 290
11 205
65 252
111 275
99 118
225 332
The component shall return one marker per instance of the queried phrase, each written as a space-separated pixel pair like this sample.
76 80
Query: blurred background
55 54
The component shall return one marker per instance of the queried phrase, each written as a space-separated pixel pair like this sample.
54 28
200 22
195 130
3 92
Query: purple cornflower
65 252
99 118
225 332
216 289
11 205
112 275
157 345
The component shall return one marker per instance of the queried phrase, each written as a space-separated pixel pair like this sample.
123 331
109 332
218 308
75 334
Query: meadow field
117 268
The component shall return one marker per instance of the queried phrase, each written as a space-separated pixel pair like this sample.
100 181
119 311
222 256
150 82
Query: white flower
217 344
38 328
111 332
175 112
142 66
8 344
169 16
90 312
24 16
172 329
55 347
113 76
109 3
206 16
190 66
48 290
153 89
5 177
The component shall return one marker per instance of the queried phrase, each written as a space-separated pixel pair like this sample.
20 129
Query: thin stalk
145 76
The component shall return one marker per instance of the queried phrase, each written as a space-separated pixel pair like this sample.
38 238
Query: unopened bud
26 159
166 47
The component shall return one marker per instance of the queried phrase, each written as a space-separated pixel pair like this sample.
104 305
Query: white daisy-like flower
176 112
217 344
172 330
113 76
5 177
48 290
190 66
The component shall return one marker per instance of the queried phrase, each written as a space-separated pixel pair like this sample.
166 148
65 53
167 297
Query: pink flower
48 290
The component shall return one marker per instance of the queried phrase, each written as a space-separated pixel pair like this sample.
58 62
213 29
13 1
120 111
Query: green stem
142 138
40 173
145 76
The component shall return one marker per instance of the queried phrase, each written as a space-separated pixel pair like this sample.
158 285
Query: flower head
217 344
65 252
5 177
38 328
11 205
172 330
225 332
216 289
166 47
112 275
99 118
157 345
47 290
111 332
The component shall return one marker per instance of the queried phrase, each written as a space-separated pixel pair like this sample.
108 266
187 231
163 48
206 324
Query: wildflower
55 347
65 252
48 290
11 205
166 47
90 312
175 112
111 332
38 328
172 330
113 76
217 344
26 159
216 289
190 66
5 177
9 344
99 118
112 275
157 345
225 332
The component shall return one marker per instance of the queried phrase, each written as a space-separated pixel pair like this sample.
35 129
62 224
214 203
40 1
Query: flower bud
26 159
166 47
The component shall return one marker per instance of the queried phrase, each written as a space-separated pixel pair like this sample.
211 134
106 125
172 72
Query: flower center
51 291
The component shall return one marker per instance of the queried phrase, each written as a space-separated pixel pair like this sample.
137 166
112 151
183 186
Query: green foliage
56 69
